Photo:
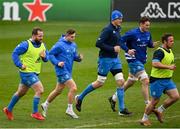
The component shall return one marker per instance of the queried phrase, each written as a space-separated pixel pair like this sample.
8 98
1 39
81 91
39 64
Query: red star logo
37 10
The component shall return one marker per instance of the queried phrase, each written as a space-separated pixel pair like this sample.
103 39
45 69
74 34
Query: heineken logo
37 10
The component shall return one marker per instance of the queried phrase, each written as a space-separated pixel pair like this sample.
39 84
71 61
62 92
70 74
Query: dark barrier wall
46 10
157 10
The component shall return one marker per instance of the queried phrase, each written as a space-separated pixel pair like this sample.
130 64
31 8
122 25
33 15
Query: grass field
96 112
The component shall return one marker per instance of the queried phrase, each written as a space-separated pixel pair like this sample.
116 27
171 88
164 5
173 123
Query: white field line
114 123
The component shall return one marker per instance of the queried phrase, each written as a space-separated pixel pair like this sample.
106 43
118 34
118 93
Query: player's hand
117 48
172 67
61 64
23 67
42 54
156 43
131 52
81 56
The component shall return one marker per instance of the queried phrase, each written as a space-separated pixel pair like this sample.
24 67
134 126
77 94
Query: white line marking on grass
123 121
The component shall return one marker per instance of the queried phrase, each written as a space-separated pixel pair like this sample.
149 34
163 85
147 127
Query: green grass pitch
96 112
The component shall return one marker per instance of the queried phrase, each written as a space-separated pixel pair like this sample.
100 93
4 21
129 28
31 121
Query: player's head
37 34
144 24
116 17
167 40
70 35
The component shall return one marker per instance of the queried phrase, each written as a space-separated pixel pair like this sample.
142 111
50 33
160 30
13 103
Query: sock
88 89
120 95
35 104
145 117
46 103
161 108
70 107
146 102
13 101
114 97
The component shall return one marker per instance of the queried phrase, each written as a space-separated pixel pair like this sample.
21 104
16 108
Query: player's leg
120 95
91 87
117 73
94 85
133 69
130 82
104 66
173 96
156 91
148 109
143 77
38 88
137 69
58 89
116 70
120 89
72 90
22 89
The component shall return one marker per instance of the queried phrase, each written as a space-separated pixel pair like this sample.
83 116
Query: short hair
35 30
144 19
165 37
70 31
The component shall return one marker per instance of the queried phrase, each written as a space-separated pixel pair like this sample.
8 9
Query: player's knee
73 89
119 76
143 77
97 84
42 91
145 82
100 80
20 94
132 79
119 79
120 83
39 92
100 84
176 97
